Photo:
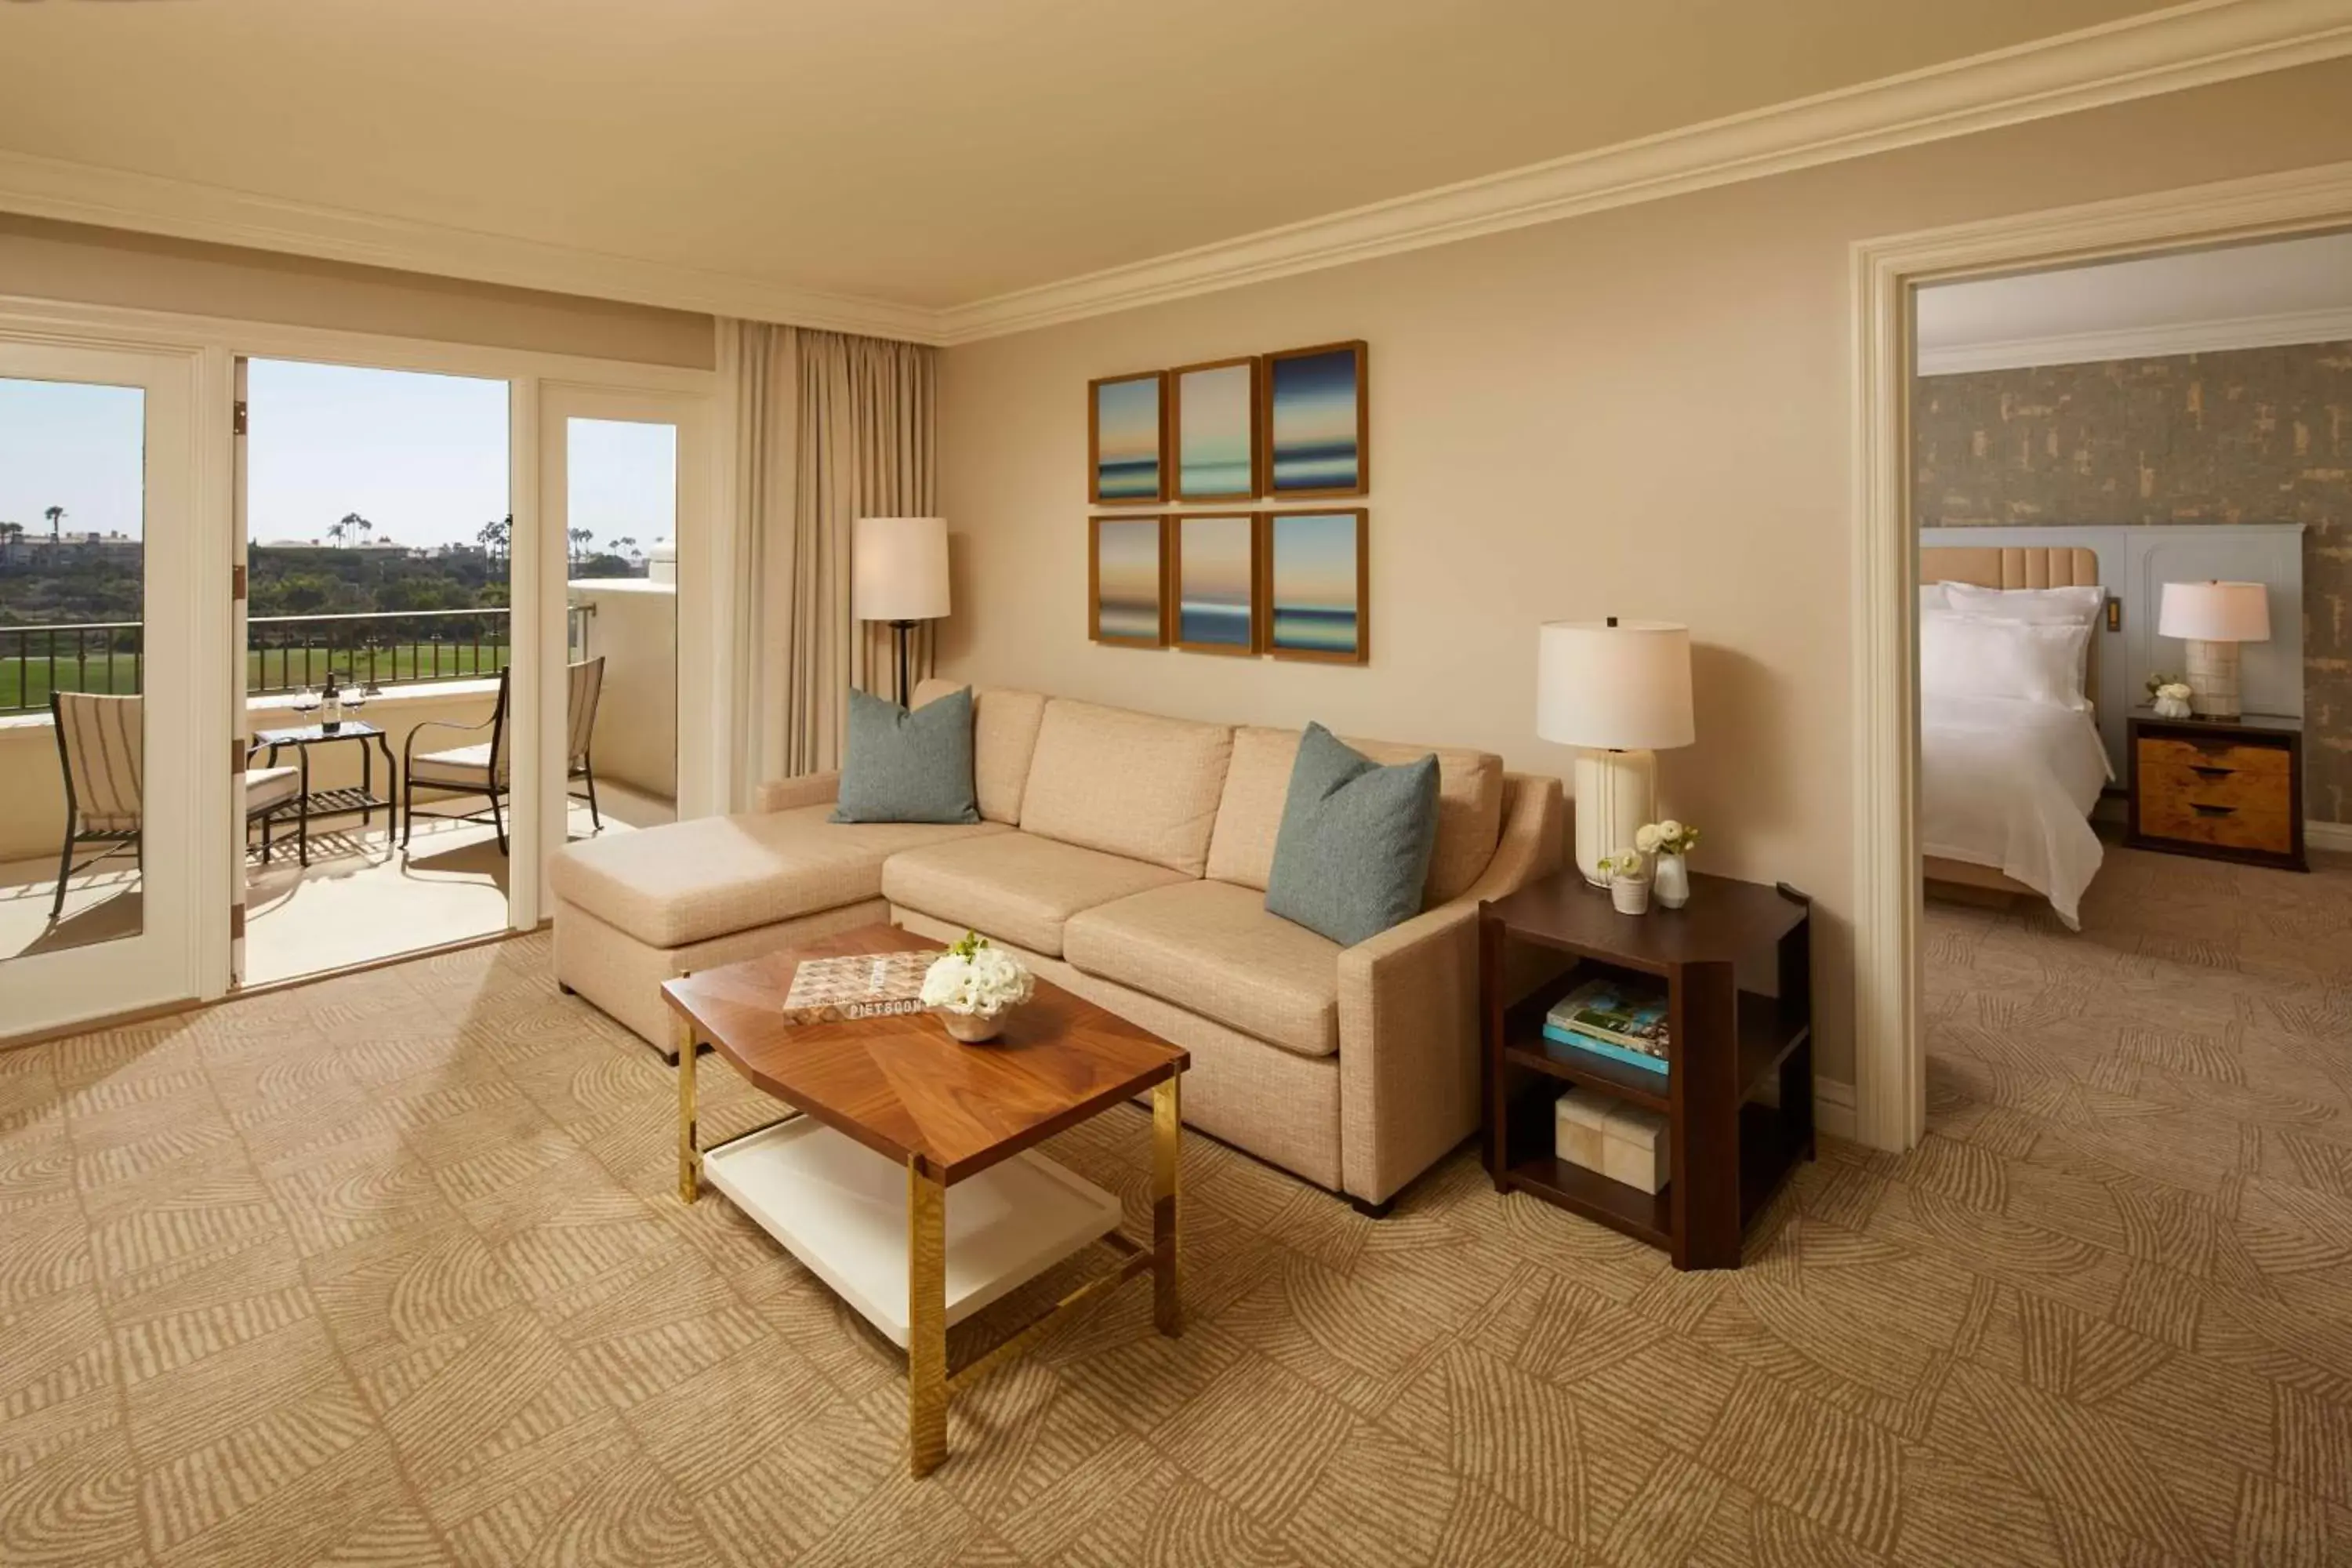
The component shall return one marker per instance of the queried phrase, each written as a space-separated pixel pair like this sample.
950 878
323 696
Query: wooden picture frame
1129 430
1328 466
1199 633
1352 525
1192 484
1129 630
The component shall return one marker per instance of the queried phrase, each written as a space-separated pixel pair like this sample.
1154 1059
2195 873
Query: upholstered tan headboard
2017 566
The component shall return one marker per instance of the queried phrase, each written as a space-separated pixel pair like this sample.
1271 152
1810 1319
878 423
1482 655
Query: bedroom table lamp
1621 692
898 573
2214 618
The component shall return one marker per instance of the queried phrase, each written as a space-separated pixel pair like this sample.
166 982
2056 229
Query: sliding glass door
100 737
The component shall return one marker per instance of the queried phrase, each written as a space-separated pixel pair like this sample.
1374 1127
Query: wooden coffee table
947 1115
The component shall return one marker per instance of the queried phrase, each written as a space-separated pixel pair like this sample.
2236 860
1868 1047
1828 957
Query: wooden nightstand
1731 1037
2228 789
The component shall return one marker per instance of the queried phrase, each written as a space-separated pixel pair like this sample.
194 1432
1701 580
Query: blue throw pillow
907 767
1355 843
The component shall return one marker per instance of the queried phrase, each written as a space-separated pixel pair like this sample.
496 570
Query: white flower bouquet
1668 838
973 984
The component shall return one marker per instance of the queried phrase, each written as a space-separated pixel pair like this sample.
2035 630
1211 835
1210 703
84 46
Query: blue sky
424 458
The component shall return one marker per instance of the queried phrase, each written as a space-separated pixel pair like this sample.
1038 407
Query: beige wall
1642 412
113 266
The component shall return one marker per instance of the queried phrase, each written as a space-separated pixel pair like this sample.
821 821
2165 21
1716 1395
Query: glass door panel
96 891
620 597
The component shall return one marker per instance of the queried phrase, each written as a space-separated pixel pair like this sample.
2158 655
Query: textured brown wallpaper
2249 436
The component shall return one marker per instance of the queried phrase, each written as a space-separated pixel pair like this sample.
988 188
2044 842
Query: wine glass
307 702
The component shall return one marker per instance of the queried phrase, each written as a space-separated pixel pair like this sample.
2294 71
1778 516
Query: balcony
359 898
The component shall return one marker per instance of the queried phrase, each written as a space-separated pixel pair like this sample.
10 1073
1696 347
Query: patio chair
100 752
484 768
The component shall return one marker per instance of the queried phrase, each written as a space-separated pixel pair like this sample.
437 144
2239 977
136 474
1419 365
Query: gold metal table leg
1167 1129
690 1164
926 1321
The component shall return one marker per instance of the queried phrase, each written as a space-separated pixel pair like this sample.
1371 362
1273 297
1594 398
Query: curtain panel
829 427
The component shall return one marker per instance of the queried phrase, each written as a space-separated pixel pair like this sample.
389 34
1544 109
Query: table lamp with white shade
898 573
2214 618
1621 692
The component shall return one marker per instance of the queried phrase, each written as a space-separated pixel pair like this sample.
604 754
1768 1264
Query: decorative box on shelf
1623 1143
1734 1107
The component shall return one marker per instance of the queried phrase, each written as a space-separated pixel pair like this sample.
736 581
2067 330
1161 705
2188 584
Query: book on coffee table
863 985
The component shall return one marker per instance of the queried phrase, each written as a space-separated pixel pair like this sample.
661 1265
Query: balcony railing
283 653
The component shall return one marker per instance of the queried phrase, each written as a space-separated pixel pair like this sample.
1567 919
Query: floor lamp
898 573
1619 692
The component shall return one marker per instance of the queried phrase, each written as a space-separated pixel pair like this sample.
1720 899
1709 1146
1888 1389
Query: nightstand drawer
2212 786
2202 817
2212 758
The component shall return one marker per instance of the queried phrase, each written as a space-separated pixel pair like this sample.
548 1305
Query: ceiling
927 153
2239 296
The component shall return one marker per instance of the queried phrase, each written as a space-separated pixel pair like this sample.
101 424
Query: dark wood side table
2227 789
1728 1157
309 803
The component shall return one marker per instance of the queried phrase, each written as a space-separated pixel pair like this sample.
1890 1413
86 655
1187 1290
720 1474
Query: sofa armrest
809 789
1408 1013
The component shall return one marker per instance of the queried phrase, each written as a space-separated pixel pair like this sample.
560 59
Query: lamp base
2213 679
1614 794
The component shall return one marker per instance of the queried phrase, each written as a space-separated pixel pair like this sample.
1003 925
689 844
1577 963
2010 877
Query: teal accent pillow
907 767
1355 843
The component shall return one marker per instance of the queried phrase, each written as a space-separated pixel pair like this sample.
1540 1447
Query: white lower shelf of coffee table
841 1208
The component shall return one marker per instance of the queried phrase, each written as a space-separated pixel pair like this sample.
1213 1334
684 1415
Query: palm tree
56 514
581 539
352 524
11 533
496 535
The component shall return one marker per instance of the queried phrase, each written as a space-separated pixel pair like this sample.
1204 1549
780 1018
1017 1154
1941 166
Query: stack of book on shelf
1617 1019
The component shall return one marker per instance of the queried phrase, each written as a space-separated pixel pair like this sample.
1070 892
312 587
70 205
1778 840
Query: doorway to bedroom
2129 486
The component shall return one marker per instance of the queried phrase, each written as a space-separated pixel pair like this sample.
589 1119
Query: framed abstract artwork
1215 429
1219 571
1126 581
1318 575
1126 440
1315 424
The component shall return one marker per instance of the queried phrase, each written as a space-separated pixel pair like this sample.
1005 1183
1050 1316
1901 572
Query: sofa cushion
690 881
1353 856
1017 886
903 766
1249 816
1126 784
1003 735
1213 949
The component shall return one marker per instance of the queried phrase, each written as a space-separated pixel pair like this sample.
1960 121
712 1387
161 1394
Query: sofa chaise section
633 909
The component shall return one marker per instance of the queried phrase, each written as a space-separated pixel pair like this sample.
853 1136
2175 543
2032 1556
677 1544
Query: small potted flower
1671 842
2170 695
972 986
1629 889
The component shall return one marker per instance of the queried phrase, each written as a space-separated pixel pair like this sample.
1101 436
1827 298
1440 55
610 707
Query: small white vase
1629 894
972 1028
1673 878
2171 708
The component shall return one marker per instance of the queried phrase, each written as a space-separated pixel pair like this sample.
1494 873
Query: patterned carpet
390 1269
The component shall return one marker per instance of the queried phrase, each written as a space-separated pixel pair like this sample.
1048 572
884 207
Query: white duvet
2010 784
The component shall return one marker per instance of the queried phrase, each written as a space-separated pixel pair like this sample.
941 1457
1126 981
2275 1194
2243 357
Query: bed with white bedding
2010 784
2011 759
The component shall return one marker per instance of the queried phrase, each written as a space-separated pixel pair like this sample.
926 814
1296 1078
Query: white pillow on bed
1968 655
2067 607
2042 607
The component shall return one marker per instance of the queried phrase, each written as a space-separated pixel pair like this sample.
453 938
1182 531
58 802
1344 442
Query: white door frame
209 347
185 752
1890 1088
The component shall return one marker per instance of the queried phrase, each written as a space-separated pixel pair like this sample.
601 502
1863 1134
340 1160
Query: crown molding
2186 45
2163 51
2327 326
184 209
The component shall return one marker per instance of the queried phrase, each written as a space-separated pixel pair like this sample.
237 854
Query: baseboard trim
2333 835
1834 1107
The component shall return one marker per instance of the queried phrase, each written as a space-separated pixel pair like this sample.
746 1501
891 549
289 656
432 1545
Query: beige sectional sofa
1123 857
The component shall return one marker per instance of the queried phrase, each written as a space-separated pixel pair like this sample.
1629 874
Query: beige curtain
830 428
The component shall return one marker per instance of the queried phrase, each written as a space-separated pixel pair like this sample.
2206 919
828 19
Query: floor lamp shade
1620 691
2214 618
898 573
898 568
